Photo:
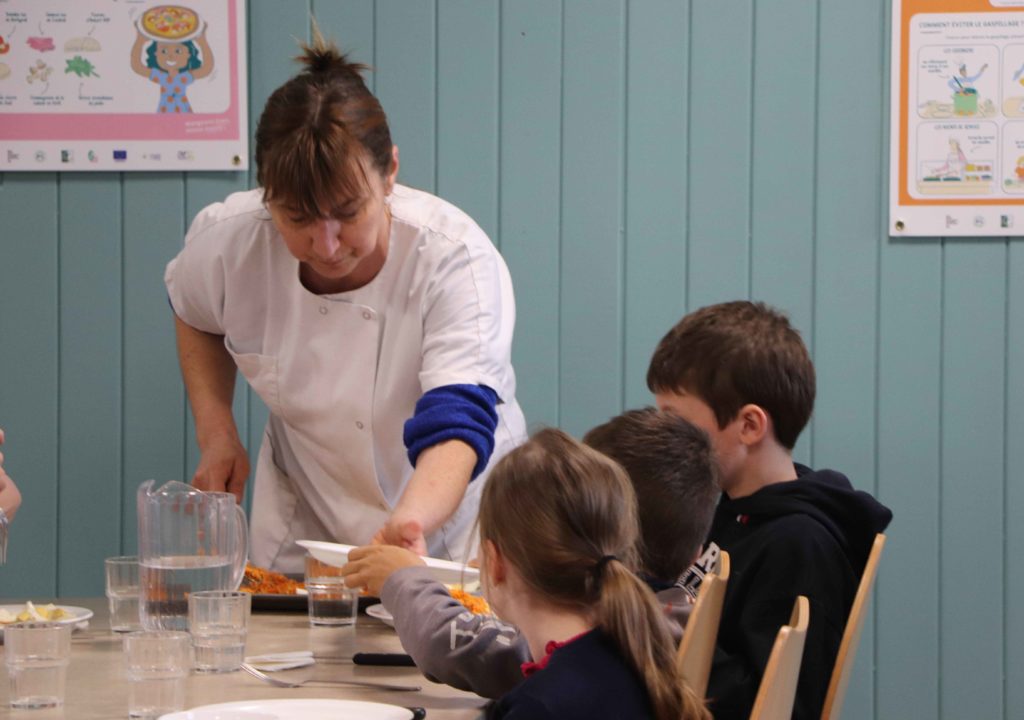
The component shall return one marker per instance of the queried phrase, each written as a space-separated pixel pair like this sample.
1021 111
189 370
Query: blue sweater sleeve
454 412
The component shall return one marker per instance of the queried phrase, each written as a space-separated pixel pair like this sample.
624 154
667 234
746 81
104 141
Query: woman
374 320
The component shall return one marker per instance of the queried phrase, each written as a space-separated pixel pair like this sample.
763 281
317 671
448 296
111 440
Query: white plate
74 616
381 613
446 571
294 709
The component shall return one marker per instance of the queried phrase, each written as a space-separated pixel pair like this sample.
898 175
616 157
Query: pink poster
122 85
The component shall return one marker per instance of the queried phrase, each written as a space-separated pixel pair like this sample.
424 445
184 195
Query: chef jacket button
359 424
367 315
323 309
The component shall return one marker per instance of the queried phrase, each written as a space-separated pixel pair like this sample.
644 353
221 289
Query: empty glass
123 592
37 656
219 622
157 664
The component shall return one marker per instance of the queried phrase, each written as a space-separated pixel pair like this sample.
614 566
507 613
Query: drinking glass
157 663
37 656
330 602
219 622
123 592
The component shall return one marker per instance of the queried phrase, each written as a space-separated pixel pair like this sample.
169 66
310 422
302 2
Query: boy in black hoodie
741 372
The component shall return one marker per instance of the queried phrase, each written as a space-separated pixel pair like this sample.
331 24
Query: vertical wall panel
154 397
467 108
89 408
655 209
1014 480
530 182
29 346
782 177
592 175
973 412
845 299
719 170
406 82
910 336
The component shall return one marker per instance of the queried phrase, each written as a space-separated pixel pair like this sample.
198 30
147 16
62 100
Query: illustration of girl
174 66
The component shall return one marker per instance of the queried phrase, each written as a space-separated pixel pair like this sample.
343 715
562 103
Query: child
558 531
669 463
741 372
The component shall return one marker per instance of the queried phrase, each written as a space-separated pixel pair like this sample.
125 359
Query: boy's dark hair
737 353
671 466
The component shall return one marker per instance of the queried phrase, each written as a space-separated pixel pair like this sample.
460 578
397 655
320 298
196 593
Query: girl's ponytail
629 614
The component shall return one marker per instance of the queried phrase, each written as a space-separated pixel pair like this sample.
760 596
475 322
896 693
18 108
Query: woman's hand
10 497
370 566
403 533
223 466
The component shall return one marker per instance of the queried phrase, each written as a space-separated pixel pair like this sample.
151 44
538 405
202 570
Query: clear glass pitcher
189 540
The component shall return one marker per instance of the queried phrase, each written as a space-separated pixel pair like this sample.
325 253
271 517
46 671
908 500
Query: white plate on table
446 571
381 613
74 616
294 709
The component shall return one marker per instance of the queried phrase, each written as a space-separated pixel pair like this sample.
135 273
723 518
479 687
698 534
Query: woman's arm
433 494
10 497
209 374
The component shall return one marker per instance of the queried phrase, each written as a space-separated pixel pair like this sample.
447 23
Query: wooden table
97 686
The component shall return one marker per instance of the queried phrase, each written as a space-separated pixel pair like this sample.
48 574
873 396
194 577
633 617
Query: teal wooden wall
633 160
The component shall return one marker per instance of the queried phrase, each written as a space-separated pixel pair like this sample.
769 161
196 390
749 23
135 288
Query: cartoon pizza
170 22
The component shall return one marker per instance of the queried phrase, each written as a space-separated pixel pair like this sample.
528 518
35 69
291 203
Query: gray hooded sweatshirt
479 653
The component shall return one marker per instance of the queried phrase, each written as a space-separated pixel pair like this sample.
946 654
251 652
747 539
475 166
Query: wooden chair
777 691
697 649
851 635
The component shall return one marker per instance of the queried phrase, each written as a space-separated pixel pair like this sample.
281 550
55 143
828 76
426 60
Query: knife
388 659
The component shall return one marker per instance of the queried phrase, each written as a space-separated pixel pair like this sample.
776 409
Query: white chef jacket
342 373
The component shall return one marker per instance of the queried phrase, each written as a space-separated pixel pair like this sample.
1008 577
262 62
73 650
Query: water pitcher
189 540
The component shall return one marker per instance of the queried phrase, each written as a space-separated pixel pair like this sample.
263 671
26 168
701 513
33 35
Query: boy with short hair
740 371
671 466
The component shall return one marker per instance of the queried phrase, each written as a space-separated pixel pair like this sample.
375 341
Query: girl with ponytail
558 528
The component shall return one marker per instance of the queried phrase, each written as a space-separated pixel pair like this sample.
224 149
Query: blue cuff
454 412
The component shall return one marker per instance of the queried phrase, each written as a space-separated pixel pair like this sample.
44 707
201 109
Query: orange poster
957 135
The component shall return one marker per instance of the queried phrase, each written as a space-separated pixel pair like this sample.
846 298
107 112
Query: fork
359 683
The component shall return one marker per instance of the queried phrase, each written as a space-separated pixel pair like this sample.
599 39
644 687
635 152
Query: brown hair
737 353
557 510
319 134
673 472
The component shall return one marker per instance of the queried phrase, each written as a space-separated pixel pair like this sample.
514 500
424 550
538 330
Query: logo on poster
120 155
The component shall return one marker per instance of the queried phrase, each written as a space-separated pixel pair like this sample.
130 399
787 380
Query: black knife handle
390 659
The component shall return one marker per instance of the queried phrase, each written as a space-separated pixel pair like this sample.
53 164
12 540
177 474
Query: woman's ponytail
629 614
323 58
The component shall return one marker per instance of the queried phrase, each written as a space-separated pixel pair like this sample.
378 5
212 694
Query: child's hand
371 565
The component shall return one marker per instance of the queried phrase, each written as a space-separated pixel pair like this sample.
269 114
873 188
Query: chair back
851 635
697 649
777 691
